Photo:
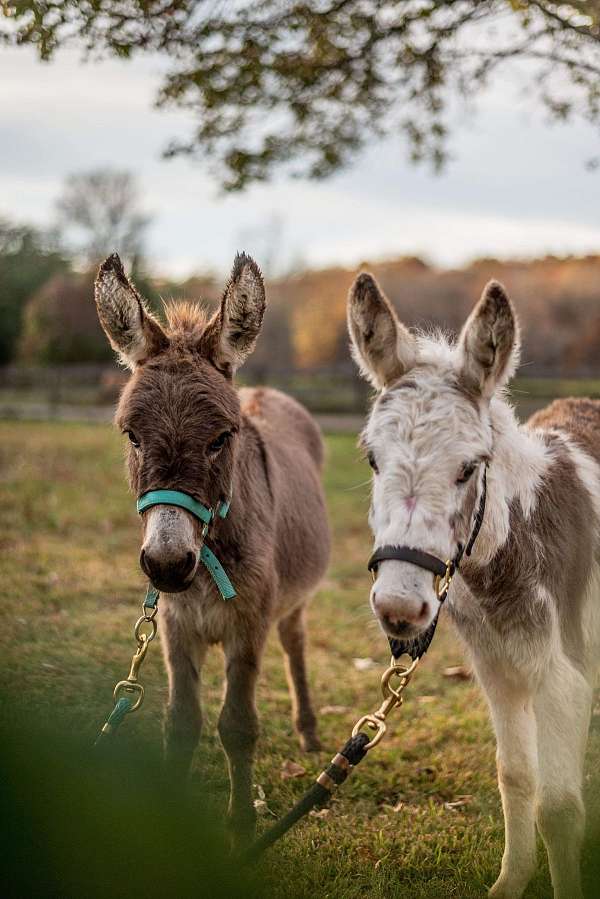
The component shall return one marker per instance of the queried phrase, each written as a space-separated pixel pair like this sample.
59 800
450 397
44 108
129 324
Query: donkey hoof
504 889
241 826
310 742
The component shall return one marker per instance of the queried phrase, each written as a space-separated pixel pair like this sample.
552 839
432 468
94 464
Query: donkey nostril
144 563
190 561
395 624
424 610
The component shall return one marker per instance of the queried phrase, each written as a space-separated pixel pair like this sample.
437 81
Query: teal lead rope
128 694
203 514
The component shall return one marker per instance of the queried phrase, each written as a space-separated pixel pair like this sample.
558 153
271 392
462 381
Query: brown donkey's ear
132 331
489 343
231 334
383 348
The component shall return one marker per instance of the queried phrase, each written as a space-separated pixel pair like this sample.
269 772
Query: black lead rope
316 797
358 745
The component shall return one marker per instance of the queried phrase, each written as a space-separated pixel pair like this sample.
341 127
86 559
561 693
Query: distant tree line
47 314
46 276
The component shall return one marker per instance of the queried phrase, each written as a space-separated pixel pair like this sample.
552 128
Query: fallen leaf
260 791
321 813
334 710
461 672
425 700
364 664
261 807
402 806
459 802
291 769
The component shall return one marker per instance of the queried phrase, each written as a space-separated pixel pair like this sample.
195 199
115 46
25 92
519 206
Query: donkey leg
184 654
514 722
292 633
238 729
563 713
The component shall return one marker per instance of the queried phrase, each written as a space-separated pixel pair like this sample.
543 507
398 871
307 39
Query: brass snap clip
441 584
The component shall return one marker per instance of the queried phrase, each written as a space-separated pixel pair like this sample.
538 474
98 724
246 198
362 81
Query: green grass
71 593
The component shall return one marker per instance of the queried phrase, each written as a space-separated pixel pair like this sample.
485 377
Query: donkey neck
519 460
251 497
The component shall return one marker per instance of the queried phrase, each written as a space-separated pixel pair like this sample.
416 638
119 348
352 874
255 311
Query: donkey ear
231 334
489 343
132 331
383 348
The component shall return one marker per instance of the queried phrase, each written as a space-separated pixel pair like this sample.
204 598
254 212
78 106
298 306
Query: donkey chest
201 613
514 628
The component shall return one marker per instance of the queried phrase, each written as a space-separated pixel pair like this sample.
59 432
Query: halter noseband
204 514
443 572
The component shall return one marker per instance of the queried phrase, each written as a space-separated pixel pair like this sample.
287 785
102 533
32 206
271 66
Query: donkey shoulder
282 420
579 418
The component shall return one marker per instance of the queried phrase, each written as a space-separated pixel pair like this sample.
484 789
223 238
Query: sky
516 185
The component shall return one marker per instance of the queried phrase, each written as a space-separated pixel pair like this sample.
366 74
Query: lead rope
360 743
128 694
353 752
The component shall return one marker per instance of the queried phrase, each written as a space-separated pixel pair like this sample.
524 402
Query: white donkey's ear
132 331
489 343
383 348
231 334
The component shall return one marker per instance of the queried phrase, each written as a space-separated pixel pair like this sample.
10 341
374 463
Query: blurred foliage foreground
420 818
77 822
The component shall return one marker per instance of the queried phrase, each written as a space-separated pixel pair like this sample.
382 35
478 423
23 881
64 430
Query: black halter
443 573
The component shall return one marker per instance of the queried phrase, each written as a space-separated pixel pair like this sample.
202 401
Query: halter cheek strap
204 514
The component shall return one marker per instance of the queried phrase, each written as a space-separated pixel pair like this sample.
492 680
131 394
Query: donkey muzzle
169 556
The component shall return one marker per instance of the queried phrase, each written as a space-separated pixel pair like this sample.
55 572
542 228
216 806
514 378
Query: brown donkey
190 430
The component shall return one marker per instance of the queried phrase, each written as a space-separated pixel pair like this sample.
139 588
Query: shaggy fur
274 544
526 602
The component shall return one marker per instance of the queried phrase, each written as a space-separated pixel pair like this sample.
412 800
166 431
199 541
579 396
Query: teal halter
206 516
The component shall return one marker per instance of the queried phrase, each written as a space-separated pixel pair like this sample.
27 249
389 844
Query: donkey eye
371 461
133 439
215 445
466 472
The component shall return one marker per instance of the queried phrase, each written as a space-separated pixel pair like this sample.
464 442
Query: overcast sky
516 186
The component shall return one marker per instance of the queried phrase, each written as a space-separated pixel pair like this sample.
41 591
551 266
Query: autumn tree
303 85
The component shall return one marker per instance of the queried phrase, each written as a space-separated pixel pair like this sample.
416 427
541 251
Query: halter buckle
441 584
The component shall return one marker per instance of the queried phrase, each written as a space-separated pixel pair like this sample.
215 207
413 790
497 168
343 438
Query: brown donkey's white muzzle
169 556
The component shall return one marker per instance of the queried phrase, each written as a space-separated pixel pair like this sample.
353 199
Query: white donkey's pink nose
400 613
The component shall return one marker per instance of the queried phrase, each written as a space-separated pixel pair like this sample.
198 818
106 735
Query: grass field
71 592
